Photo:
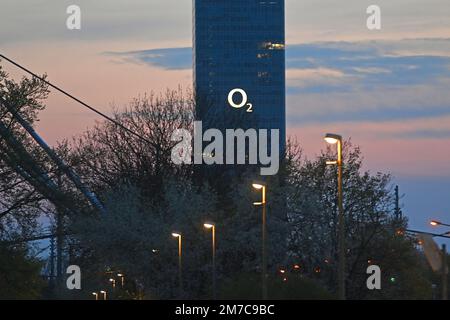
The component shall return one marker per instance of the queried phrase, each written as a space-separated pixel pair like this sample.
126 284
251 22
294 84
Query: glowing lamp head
120 275
434 223
176 235
332 138
208 225
103 291
258 186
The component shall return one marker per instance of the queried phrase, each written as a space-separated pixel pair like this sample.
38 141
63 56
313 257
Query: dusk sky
387 89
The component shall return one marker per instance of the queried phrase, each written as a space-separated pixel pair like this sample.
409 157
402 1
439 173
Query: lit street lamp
95 294
262 187
104 294
444 272
113 283
180 277
213 231
337 139
436 223
122 279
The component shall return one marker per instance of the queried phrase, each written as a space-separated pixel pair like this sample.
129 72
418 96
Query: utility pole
444 272
59 248
52 263
398 212
59 241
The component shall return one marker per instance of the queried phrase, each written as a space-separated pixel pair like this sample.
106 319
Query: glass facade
240 44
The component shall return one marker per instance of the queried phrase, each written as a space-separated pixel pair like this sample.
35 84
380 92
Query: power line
75 99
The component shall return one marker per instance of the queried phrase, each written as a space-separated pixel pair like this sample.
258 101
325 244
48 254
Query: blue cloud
368 62
380 114
165 58
372 63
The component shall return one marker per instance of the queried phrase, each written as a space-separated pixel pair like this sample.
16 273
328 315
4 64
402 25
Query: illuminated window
273 46
277 46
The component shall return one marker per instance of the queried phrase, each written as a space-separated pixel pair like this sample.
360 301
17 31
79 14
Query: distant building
240 44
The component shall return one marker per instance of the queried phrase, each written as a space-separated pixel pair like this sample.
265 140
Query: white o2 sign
244 99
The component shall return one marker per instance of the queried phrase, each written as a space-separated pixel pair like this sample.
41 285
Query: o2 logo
244 100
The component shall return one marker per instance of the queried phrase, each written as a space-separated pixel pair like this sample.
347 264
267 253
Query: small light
392 279
154 250
282 271
329 163
332 138
285 279
327 261
111 280
120 275
317 270
103 291
257 186
94 293
176 235
296 267
208 225
434 223
369 261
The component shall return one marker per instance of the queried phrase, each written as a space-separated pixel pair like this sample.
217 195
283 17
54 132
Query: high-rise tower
240 44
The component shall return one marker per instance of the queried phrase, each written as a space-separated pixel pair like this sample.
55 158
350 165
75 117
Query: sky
386 89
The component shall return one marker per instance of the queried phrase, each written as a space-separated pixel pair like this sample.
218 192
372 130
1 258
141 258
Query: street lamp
104 294
180 277
113 282
122 279
436 223
95 294
444 272
337 139
262 203
212 227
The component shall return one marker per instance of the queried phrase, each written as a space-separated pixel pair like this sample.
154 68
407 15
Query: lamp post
444 273
104 294
180 277
95 294
113 283
262 187
122 279
213 232
337 139
436 223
